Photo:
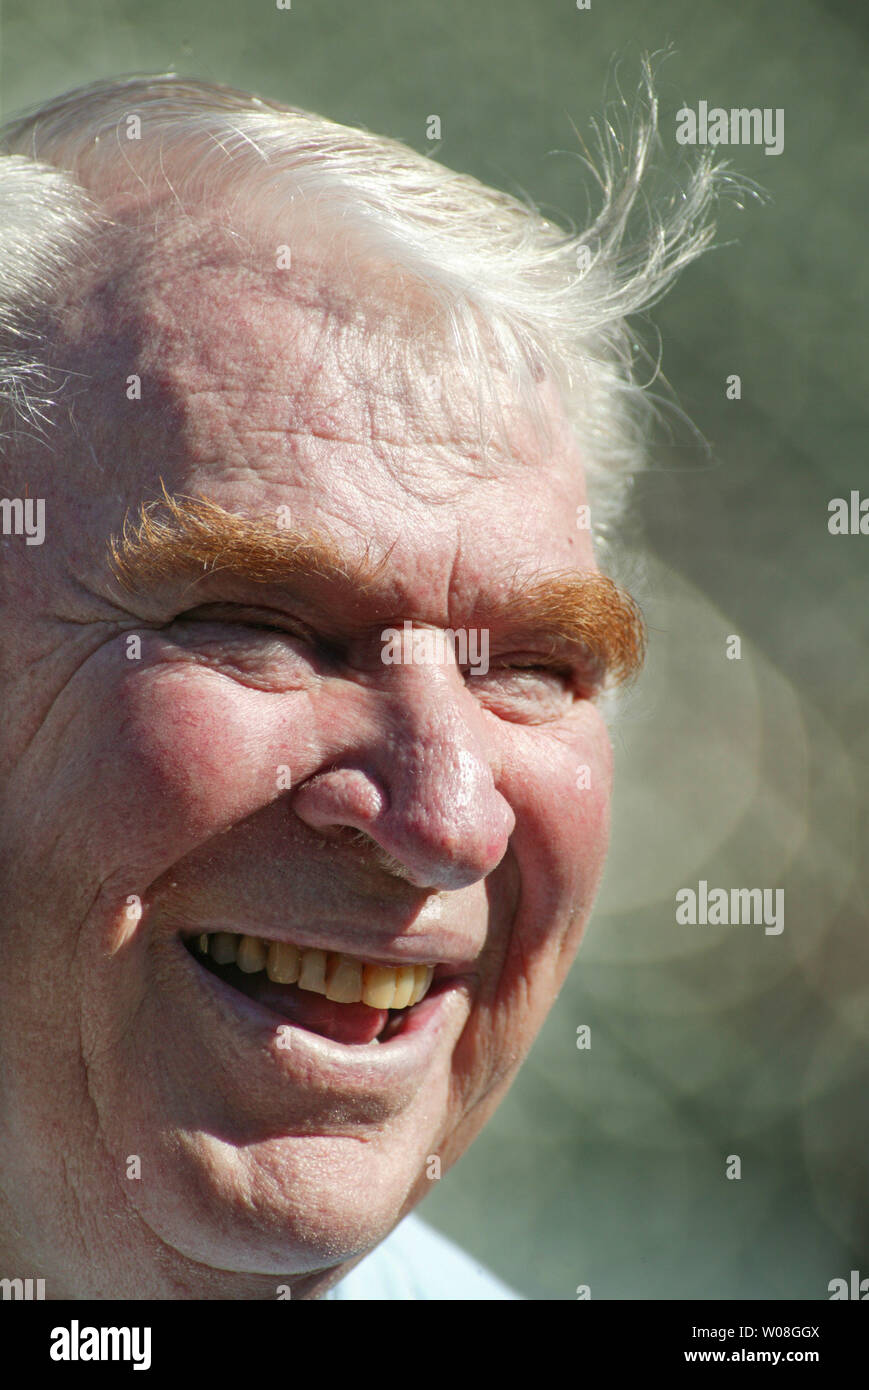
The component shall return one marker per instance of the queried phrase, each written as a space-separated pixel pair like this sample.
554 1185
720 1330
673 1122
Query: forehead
328 384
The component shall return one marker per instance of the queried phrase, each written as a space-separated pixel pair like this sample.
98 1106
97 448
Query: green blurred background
606 1166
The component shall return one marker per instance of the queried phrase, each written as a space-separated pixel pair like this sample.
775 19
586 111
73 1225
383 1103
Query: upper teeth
342 978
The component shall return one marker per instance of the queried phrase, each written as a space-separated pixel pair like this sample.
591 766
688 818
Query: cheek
191 754
562 809
559 788
592 797
588 794
564 806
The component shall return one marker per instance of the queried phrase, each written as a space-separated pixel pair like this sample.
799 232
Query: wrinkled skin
156 777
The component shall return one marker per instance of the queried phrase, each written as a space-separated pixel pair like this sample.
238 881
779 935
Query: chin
282 1206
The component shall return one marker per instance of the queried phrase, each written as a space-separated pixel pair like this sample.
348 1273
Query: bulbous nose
426 794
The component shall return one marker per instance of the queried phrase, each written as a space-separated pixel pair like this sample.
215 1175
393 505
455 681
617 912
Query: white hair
517 290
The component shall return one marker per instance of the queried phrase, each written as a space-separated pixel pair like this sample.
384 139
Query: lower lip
394 1067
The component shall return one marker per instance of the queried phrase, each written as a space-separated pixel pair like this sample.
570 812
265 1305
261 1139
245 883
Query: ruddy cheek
590 774
574 810
194 759
593 795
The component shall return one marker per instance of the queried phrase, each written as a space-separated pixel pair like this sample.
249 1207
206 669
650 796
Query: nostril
340 800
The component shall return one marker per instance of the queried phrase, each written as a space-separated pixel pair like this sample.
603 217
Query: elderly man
288 887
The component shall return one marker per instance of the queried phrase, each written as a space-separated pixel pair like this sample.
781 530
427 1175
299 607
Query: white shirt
416 1262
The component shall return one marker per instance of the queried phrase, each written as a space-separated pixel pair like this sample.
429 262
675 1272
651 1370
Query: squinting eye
233 615
559 673
533 680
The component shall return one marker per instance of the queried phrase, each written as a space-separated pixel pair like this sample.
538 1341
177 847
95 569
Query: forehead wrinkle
307 369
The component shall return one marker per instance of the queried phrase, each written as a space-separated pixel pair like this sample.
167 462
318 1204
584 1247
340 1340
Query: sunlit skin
154 780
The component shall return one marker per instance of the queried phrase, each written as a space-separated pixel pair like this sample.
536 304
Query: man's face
256 768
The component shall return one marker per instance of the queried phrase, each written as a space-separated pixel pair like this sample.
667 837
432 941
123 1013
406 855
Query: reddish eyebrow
585 612
577 613
195 537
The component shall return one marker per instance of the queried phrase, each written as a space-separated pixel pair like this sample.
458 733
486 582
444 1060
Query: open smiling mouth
338 996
